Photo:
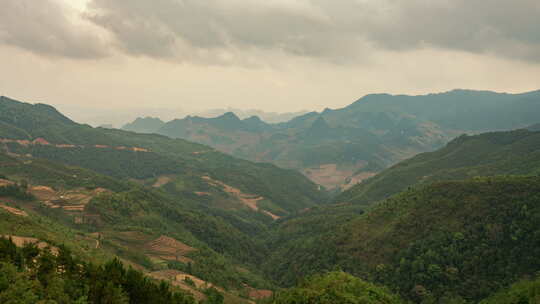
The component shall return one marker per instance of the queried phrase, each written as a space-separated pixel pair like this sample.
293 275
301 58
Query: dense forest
463 239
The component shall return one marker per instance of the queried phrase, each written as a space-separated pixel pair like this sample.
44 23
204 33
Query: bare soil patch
14 211
20 241
332 176
70 201
249 200
162 181
202 193
5 182
169 249
259 294
44 193
356 179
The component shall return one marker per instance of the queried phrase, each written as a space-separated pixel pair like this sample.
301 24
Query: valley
453 224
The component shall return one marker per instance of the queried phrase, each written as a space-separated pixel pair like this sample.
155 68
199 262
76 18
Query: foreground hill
515 152
29 275
99 217
338 148
457 239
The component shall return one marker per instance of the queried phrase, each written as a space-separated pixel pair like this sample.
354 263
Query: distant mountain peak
229 115
253 118
144 125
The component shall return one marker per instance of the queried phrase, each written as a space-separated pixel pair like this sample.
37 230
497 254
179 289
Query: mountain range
339 148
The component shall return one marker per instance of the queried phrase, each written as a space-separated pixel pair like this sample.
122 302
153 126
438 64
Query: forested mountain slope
435 227
456 239
513 152
338 148
177 165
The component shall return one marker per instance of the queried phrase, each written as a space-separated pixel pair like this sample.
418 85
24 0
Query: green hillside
111 152
514 152
461 239
336 287
148 229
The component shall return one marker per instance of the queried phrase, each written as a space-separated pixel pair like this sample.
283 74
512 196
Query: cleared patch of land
332 176
169 249
14 211
162 181
70 201
21 241
249 200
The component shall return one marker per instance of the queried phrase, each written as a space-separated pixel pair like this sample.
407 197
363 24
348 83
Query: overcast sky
124 58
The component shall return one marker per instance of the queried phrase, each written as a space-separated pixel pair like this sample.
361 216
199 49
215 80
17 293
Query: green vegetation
335 287
31 275
16 191
459 225
523 292
103 151
136 208
489 154
462 239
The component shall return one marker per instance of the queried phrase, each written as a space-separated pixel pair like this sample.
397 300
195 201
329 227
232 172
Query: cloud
248 31
334 30
44 27
215 28
500 27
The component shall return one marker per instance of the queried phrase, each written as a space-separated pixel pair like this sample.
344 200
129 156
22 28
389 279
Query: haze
111 60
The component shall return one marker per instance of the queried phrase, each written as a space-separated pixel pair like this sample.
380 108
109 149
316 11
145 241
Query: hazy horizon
170 56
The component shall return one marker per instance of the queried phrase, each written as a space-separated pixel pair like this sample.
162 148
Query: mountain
339 148
144 125
456 239
268 117
489 154
457 109
447 224
166 206
43 132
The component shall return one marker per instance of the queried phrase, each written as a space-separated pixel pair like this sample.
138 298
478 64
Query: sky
103 61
